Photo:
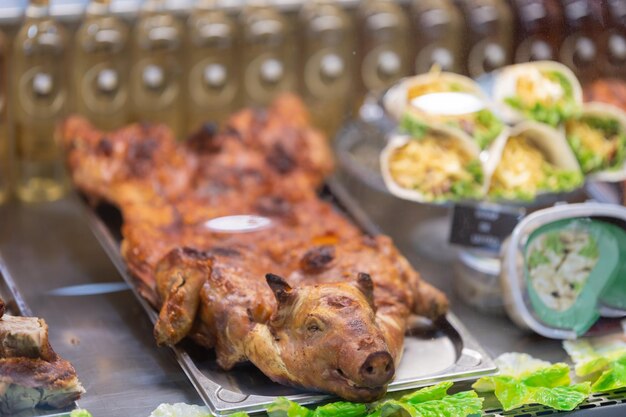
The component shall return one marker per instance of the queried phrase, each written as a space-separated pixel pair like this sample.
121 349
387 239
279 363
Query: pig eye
314 325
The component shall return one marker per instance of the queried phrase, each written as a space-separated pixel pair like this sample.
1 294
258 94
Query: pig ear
282 291
366 285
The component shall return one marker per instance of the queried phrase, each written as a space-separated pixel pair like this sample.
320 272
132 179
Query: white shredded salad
559 264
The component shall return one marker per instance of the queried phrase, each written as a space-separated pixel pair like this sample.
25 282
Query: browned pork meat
31 373
309 299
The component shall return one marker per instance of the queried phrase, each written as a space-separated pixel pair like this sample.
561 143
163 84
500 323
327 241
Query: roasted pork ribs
31 373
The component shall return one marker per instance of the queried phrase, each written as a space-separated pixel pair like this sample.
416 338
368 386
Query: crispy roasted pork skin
26 383
31 373
310 300
24 337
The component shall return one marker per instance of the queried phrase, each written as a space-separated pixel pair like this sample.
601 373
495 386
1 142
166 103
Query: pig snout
377 370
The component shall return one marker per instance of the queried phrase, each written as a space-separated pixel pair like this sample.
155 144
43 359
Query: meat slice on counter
309 299
24 337
31 373
27 383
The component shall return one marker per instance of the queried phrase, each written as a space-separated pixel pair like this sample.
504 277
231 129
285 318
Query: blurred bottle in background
267 53
211 64
612 60
101 64
326 50
581 47
489 36
383 53
5 149
539 30
438 33
156 83
40 95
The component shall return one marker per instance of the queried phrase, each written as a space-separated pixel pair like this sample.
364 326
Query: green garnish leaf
391 407
513 393
341 408
556 375
282 407
608 358
526 380
80 413
613 378
435 392
460 404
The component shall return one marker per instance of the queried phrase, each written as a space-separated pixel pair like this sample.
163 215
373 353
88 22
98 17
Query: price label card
483 226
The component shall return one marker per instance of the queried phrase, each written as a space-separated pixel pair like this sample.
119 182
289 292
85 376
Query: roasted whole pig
310 300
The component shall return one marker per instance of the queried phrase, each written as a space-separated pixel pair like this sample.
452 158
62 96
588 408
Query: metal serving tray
447 353
16 306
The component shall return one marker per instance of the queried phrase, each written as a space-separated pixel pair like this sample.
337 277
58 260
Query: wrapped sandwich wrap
544 91
529 159
433 165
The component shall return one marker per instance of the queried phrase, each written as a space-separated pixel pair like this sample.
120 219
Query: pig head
324 337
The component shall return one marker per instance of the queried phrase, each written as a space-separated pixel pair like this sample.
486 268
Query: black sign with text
483 226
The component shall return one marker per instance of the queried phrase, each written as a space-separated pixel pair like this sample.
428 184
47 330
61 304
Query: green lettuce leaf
435 392
461 404
556 375
613 378
512 364
341 408
427 402
526 380
413 127
393 408
80 413
513 393
590 358
488 128
282 407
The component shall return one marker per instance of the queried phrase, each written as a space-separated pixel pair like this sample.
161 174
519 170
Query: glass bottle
327 45
211 64
438 31
101 67
384 39
5 169
39 82
489 38
580 49
540 29
613 13
157 71
267 53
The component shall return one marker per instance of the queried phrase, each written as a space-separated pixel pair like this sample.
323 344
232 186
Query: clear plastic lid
564 267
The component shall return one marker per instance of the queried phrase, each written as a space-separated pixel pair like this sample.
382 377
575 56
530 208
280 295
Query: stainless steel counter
108 337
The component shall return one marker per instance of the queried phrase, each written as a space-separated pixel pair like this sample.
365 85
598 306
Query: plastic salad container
564 267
